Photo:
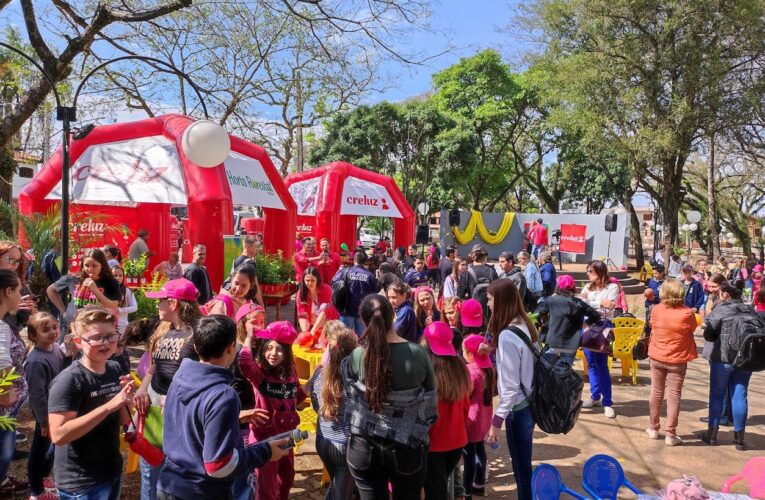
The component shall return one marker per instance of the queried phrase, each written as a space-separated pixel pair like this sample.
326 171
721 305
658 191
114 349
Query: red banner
572 238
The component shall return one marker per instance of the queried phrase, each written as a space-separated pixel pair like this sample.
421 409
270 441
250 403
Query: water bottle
295 436
495 446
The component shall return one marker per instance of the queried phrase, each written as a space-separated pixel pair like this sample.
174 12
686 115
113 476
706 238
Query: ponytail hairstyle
452 376
342 341
377 314
188 313
508 307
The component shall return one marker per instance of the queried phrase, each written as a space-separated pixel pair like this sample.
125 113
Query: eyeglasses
106 339
12 261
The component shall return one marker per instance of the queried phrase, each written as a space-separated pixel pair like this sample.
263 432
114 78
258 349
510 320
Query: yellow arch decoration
476 224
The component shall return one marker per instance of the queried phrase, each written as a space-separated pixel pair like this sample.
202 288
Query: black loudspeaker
422 234
611 222
454 217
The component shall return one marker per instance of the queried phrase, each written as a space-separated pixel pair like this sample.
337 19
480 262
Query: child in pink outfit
277 389
480 413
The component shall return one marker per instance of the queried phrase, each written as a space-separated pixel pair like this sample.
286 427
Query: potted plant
134 269
276 277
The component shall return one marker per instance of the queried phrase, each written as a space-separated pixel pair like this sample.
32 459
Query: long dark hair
332 391
507 307
303 292
98 255
8 279
284 370
250 271
377 314
489 385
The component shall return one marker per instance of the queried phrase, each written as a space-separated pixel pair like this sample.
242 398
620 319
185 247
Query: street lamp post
195 143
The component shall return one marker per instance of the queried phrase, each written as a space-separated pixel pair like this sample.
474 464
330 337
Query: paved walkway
648 464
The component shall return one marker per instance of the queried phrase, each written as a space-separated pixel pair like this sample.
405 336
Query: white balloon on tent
205 143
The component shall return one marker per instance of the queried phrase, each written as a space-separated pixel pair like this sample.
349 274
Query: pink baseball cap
566 282
247 309
757 268
180 289
439 337
471 313
280 331
471 345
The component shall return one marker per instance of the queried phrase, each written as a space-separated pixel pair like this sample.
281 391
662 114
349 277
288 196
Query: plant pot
277 294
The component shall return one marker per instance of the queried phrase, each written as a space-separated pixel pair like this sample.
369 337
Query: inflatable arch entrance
330 198
133 173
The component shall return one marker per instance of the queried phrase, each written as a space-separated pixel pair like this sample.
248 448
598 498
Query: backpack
340 292
557 396
742 341
480 291
226 299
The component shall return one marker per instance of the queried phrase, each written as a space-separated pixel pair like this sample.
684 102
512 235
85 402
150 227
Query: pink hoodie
479 415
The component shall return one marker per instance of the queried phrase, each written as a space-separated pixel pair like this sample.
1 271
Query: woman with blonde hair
671 348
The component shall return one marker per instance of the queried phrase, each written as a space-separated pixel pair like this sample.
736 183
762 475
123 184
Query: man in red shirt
306 257
328 263
538 238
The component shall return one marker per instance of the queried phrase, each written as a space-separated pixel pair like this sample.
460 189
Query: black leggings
40 461
440 467
374 462
475 466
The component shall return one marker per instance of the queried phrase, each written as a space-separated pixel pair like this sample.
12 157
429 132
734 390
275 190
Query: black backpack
480 291
557 396
742 340
340 292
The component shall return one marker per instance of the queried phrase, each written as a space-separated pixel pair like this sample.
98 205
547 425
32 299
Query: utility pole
712 200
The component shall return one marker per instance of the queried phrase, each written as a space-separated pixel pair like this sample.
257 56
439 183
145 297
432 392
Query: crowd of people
413 359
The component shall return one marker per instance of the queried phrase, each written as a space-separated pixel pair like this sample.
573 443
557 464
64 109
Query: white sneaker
591 403
670 440
652 433
609 412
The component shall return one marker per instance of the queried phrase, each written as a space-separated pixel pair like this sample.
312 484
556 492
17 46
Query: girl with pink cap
482 378
271 371
448 436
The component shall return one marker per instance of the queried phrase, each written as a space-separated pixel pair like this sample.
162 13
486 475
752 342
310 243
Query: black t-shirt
170 350
239 261
95 457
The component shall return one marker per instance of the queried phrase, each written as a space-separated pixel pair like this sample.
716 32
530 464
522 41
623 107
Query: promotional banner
362 197
249 183
573 238
305 193
142 170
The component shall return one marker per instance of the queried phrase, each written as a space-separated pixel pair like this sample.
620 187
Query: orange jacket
672 334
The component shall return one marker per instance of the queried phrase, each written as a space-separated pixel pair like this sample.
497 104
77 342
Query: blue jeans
475 466
535 249
519 427
354 324
723 376
103 491
149 478
600 377
244 487
7 445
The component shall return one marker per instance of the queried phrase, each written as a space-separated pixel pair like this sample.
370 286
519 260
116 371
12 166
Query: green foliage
6 381
147 307
135 267
274 269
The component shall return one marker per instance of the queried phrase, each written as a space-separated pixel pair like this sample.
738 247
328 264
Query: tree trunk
299 105
712 202
7 171
637 237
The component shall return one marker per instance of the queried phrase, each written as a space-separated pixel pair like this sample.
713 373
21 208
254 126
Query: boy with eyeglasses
88 403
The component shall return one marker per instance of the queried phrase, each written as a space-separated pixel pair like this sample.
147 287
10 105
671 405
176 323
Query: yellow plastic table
306 361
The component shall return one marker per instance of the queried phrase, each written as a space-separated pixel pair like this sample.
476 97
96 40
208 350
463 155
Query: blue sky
468 26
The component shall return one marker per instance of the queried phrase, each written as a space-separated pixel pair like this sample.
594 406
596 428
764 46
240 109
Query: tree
487 104
84 28
651 76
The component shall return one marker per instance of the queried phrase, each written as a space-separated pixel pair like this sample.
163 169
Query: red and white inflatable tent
132 173
330 198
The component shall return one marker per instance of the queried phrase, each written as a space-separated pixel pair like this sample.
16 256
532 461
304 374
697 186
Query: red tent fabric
330 198
134 172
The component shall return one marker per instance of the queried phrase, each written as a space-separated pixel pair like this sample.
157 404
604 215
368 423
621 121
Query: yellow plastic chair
306 361
131 464
627 322
624 340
